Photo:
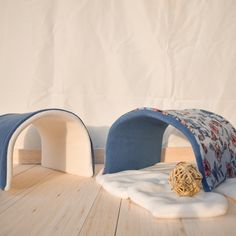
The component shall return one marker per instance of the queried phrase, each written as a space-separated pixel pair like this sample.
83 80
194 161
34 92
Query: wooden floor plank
58 206
22 184
98 168
77 211
18 169
105 209
135 220
217 226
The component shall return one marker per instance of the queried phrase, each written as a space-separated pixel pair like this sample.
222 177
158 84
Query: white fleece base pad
150 189
228 188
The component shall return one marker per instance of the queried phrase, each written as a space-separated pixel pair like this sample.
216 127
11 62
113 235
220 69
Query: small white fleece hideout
150 189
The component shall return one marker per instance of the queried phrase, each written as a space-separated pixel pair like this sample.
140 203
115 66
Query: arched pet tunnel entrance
66 145
135 141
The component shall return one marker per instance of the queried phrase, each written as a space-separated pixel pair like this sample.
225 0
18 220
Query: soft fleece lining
66 145
149 188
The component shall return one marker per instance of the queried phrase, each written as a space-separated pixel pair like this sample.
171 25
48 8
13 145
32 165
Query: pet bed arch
66 144
135 141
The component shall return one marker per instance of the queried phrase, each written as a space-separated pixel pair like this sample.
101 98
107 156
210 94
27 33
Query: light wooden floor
47 202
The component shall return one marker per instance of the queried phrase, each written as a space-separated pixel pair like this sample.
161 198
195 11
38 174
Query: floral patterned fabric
213 140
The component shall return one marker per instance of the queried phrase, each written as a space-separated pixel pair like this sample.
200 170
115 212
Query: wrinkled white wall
102 58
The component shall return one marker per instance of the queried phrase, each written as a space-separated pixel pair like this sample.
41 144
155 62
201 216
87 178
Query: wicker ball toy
185 179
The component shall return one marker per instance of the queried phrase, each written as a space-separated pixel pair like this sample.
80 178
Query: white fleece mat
150 189
228 188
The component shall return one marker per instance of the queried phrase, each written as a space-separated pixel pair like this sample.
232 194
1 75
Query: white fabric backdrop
102 58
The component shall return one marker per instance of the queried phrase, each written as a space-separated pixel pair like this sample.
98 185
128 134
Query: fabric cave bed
133 152
66 144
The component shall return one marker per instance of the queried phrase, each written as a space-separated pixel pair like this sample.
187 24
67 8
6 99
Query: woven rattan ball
185 179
